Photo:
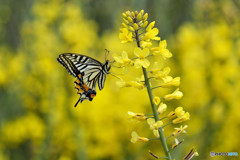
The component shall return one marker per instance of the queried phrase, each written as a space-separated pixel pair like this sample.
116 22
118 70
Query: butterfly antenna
116 73
106 54
115 76
117 66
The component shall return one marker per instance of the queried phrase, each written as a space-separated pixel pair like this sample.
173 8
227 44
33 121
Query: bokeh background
37 95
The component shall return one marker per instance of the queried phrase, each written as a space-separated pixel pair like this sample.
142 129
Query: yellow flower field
190 49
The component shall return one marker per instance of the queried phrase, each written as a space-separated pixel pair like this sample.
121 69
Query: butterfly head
107 66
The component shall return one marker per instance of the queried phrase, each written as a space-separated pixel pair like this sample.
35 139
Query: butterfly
88 73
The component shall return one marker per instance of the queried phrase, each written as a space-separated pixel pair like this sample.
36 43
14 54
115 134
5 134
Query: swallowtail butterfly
87 71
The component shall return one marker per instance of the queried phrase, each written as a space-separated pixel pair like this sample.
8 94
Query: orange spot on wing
92 95
78 87
85 87
79 76
77 81
80 91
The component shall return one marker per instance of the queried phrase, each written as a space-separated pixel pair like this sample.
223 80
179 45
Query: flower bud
140 23
135 26
129 19
128 13
136 13
124 25
131 28
139 16
145 16
125 21
132 14
145 24
124 15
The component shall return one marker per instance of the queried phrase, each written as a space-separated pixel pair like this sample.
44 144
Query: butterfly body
88 73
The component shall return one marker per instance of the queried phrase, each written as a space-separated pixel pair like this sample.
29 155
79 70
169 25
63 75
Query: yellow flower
135 84
177 143
154 125
138 116
141 54
162 108
125 36
150 26
162 74
122 60
151 35
162 50
136 138
172 115
145 44
169 81
156 100
179 111
181 119
138 85
175 95
180 130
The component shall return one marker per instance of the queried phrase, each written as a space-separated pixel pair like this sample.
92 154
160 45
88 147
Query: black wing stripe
101 81
82 67
68 65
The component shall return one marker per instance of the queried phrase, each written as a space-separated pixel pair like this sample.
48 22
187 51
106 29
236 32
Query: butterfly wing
77 64
101 80
88 73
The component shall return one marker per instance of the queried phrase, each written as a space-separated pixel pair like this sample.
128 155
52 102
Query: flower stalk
136 28
154 108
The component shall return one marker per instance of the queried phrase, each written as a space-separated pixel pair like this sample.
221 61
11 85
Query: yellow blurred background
37 95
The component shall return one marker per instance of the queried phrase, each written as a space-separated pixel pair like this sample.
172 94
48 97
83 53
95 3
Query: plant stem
166 124
154 108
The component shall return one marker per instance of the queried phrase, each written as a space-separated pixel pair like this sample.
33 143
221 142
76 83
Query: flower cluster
137 28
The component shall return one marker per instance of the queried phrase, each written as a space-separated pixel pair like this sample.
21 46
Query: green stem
155 113
154 108
156 87
169 136
162 118
167 124
153 139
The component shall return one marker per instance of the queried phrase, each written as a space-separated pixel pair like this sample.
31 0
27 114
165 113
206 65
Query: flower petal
145 63
137 51
145 52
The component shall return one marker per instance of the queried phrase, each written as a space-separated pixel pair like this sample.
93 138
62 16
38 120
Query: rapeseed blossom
144 33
